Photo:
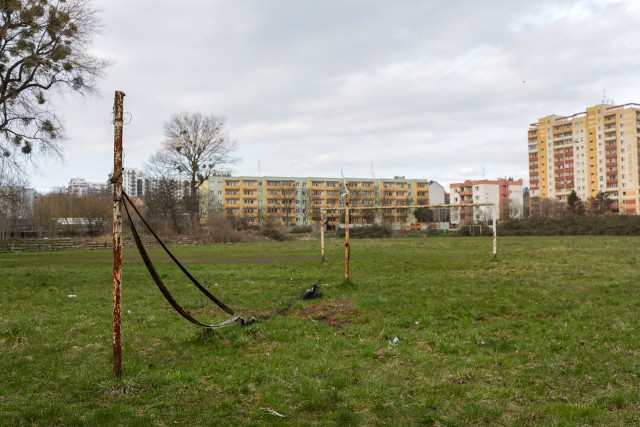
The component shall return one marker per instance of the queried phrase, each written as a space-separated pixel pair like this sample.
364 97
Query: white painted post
322 233
495 235
347 247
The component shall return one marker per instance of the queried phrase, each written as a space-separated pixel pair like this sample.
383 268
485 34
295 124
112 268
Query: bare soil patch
336 313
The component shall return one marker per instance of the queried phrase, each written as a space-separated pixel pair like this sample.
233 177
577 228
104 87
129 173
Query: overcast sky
434 89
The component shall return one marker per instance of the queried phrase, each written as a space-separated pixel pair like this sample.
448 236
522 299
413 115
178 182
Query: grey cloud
422 89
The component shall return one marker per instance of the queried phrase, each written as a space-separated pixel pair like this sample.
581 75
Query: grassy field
546 335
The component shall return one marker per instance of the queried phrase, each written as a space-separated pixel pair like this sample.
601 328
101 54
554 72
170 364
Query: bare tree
69 214
195 147
95 210
46 210
10 186
14 205
43 50
162 199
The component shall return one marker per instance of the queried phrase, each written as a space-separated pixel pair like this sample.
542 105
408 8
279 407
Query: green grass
546 335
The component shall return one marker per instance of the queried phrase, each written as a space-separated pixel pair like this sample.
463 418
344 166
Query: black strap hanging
163 288
312 292
184 270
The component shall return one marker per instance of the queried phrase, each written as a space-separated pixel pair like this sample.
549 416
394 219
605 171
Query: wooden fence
53 245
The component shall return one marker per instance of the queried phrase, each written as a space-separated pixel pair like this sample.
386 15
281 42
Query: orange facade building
588 152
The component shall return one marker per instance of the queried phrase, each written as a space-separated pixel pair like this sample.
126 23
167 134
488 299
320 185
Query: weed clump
272 233
302 229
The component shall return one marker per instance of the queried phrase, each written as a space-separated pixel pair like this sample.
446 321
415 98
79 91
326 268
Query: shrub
218 230
302 229
272 233
369 232
614 225
473 230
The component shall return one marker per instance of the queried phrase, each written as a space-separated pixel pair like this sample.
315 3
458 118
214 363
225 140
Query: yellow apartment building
588 152
296 201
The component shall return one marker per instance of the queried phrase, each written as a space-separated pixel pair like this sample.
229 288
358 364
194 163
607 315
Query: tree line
598 205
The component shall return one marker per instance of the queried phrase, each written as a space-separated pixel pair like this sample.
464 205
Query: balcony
323 205
281 187
326 187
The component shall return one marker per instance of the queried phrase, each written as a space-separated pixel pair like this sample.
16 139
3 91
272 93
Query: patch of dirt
336 313
544 316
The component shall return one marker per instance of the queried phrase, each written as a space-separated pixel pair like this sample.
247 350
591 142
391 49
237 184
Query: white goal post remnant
495 233
446 205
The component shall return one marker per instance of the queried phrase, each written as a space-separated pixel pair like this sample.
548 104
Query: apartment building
133 181
588 152
291 201
82 187
505 194
137 184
